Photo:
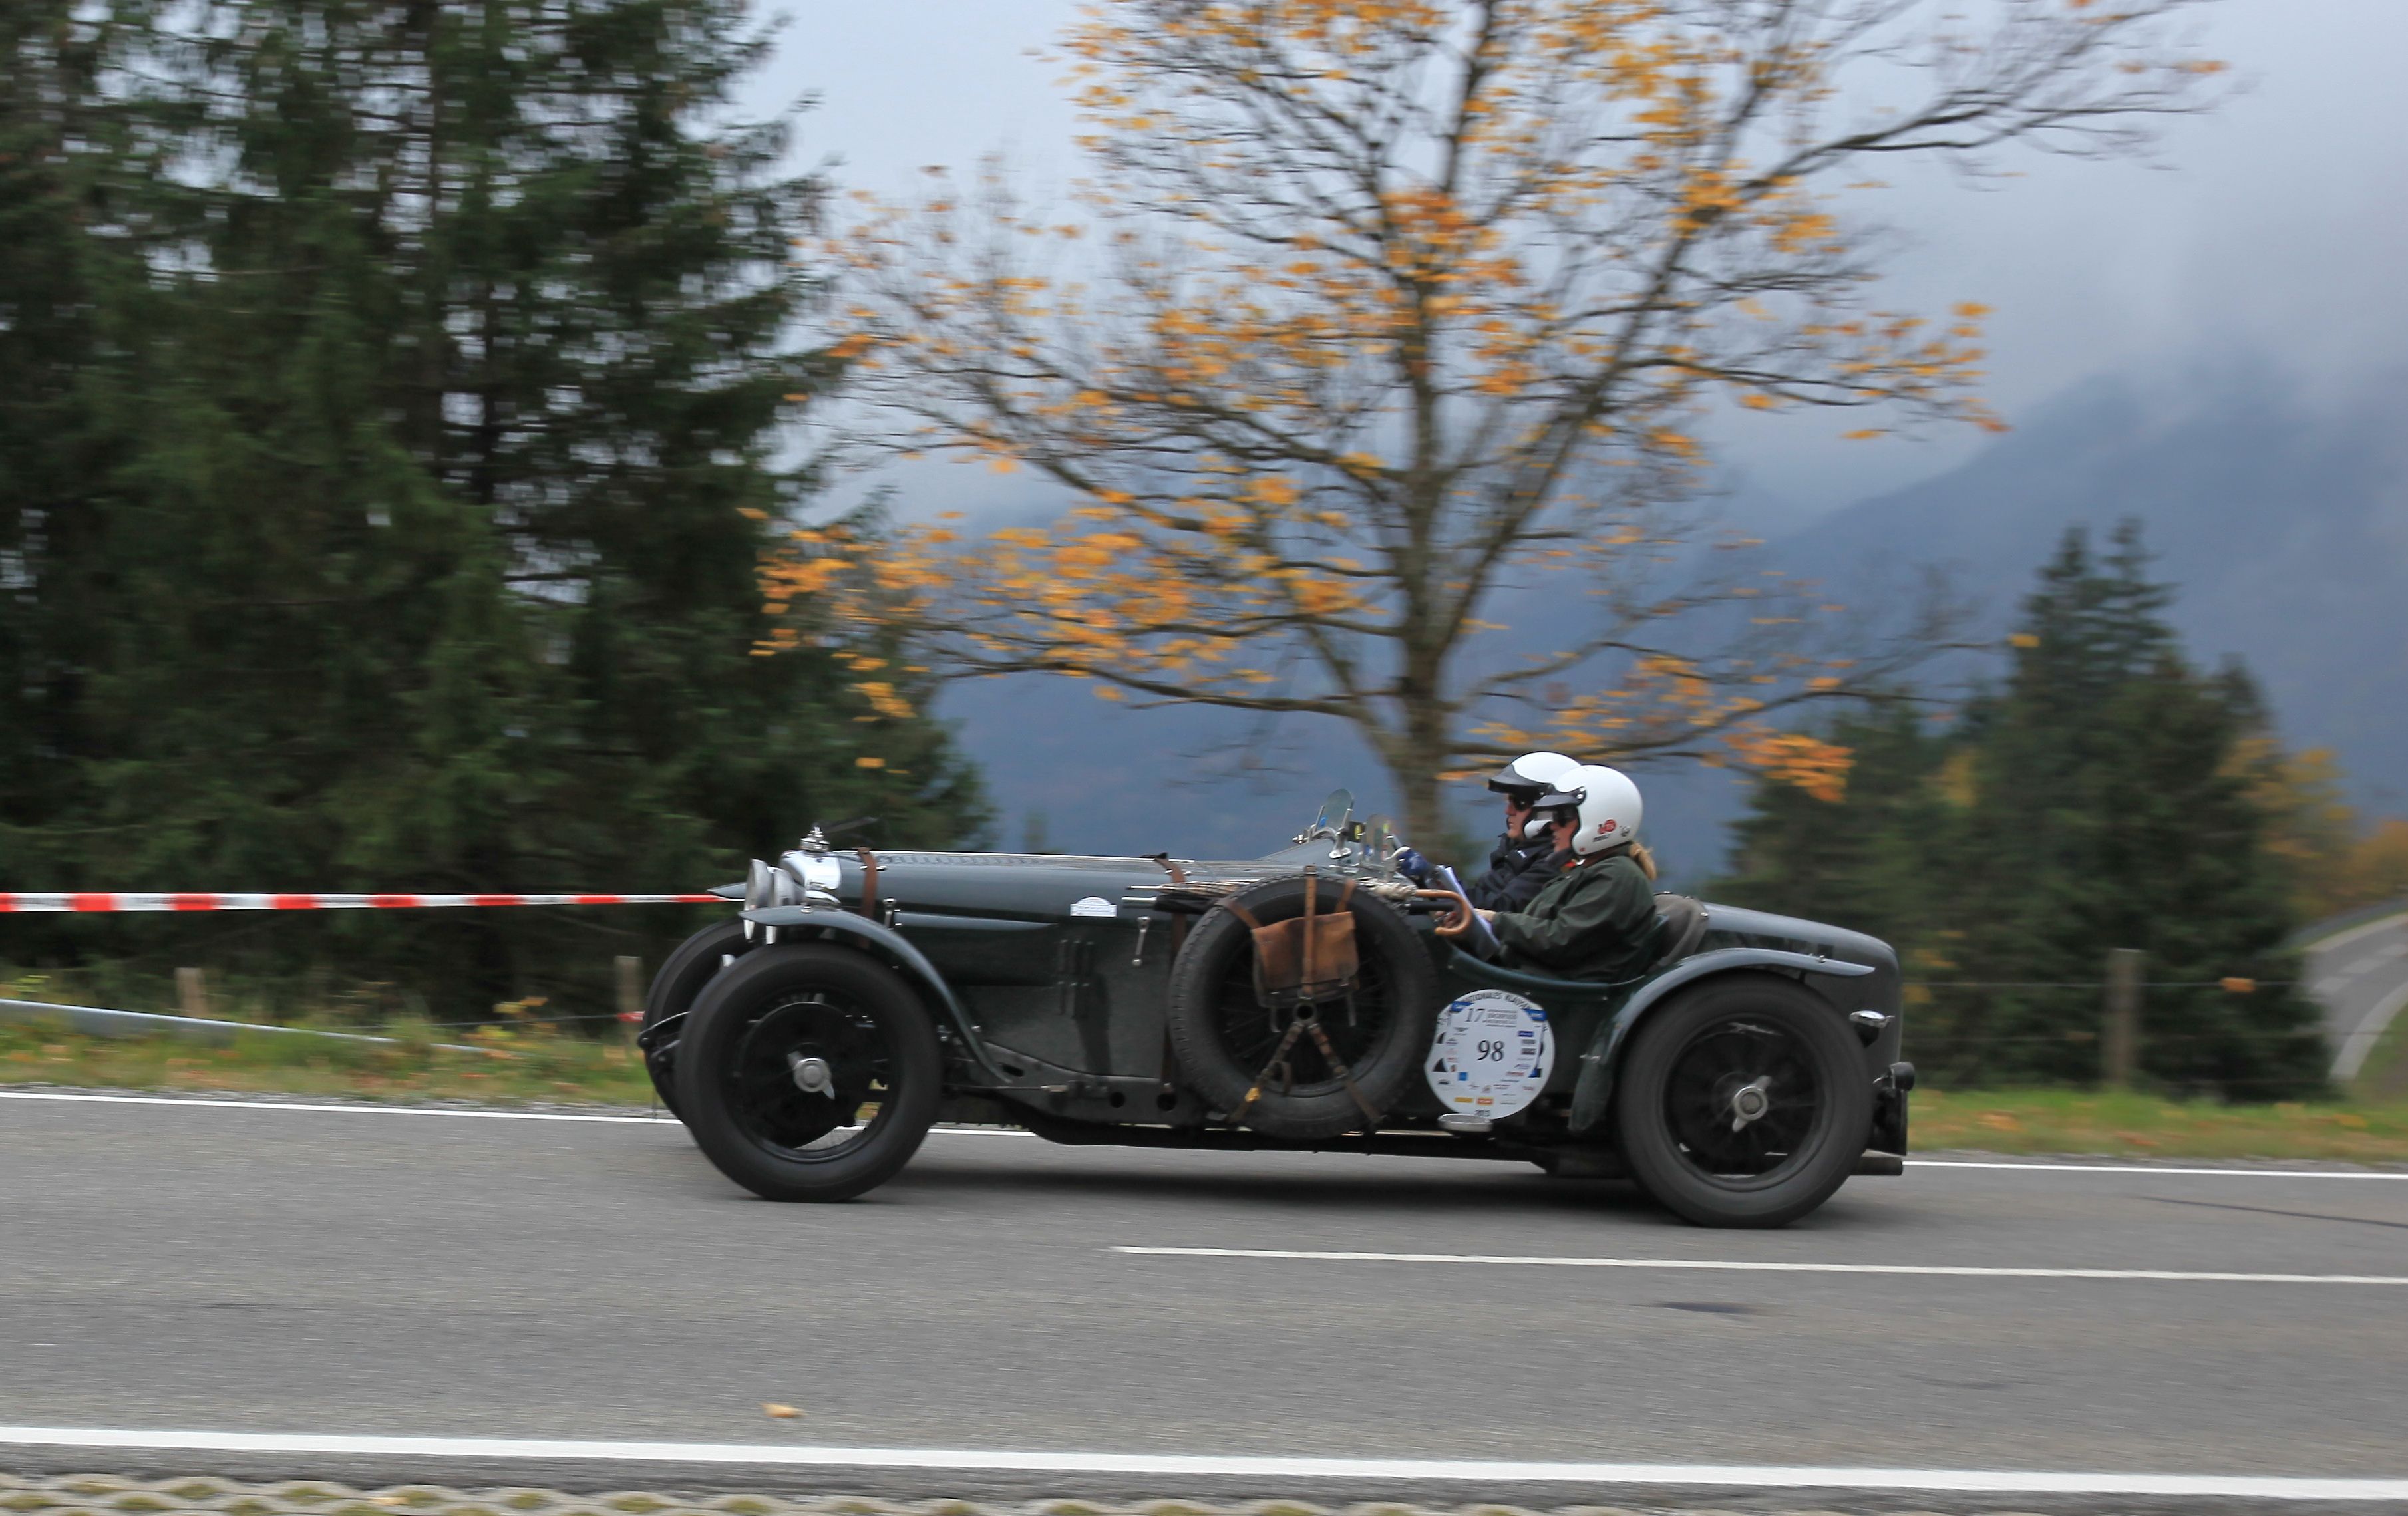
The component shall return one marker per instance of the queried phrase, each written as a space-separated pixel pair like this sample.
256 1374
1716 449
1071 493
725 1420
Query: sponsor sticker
1491 1052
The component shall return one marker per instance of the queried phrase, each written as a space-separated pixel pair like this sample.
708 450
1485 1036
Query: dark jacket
1593 920
1516 873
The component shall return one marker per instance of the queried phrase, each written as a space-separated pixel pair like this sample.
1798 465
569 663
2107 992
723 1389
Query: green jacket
1595 921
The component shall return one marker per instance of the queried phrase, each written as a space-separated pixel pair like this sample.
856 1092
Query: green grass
2135 1125
522 1059
510 1065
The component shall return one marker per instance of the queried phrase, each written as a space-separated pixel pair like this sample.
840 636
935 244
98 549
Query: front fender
1593 1092
895 945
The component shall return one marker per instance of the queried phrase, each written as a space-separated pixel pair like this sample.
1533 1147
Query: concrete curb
35 1493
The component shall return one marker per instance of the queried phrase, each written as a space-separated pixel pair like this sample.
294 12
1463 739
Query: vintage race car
1305 1000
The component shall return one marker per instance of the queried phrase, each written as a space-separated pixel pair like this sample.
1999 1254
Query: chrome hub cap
811 1075
1749 1102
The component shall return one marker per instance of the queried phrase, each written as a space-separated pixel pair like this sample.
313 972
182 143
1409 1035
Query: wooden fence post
2120 1043
191 994
631 989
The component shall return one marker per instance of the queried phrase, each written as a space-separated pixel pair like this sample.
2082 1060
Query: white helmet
1607 804
1533 773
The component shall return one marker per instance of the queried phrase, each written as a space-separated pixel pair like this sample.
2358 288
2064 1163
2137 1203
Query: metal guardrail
96 1021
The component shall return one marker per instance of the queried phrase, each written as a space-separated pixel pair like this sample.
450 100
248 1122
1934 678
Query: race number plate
1492 1053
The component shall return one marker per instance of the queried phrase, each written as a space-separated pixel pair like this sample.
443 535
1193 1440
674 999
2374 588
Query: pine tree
2107 794
446 398
49 107
1865 859
2114 808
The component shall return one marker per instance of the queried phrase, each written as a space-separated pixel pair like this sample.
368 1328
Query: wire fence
2226 1039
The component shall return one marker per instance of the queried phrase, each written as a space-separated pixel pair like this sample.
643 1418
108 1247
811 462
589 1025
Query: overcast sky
2272 228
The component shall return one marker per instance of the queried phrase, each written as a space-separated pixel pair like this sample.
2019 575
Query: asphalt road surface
287 1271
2360 977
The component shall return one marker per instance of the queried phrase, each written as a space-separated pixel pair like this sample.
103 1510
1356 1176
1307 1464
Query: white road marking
664 1119
2152 1168
337 1109
1723 1476
1757 1266
2366 1034
2370 961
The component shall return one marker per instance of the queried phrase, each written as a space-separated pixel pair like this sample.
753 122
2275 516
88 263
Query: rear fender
796 923
1593 1090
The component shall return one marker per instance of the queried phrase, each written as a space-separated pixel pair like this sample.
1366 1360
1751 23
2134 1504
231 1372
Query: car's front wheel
1743 1103
809 1072
696 961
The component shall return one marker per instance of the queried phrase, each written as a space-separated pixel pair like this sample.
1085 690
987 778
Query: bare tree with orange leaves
1379 310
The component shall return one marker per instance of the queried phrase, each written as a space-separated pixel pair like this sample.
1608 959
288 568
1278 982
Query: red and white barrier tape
96 901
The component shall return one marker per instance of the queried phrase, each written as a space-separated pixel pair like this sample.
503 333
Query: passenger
1526 857
1595 919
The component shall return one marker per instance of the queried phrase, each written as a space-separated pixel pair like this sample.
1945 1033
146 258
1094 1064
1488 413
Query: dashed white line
1391 1470
1764 1267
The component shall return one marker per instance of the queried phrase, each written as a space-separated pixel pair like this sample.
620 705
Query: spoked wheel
808 1073
1743 1103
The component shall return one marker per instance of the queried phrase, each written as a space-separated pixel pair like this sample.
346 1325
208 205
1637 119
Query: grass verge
2133 1125
511 1065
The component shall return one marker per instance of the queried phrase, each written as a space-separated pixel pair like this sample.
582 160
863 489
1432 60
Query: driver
1527 856
1595 919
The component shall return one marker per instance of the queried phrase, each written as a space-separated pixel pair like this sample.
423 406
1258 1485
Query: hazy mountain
2286 527
2286 533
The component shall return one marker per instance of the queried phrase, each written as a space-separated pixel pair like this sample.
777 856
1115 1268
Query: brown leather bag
1306 958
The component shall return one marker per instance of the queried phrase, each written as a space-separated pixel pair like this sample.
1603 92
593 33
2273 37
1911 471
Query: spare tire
1226 1041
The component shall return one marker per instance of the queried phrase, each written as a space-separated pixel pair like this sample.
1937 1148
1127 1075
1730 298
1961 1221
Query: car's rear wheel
809 1072
696 961
1743 1103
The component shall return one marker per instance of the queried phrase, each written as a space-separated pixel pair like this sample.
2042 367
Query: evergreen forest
2104 793
396 401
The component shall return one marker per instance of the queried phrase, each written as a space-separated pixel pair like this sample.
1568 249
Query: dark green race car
1301 1000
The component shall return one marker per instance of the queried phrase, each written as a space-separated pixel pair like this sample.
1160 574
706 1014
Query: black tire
693 965
740 1072
1223 1038
1680 1087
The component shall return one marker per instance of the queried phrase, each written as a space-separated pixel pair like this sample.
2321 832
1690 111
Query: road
287 1271
2360 977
